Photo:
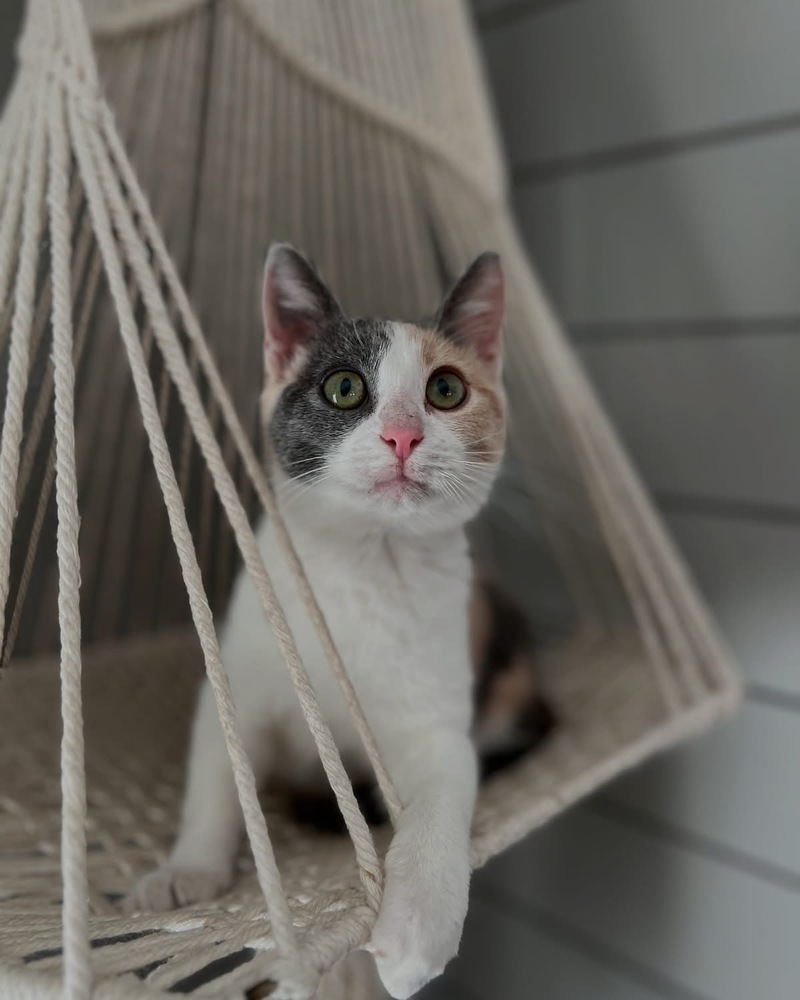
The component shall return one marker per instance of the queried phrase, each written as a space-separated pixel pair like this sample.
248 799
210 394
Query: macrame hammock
361 132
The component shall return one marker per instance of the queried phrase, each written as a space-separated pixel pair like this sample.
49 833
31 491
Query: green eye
445 390
344 390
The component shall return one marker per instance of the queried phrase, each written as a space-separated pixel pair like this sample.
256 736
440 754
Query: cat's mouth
398 485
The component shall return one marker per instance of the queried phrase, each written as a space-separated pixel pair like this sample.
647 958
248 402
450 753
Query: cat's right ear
297 307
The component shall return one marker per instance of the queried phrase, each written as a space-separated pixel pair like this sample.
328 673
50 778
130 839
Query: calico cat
385 440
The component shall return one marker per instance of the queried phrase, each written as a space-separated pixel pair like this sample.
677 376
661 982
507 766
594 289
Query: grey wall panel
707 233
444 988
587 76
707 415
540 960
710 929
732 790
750 574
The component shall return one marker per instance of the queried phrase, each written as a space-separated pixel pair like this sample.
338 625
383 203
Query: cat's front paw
172 886
416 934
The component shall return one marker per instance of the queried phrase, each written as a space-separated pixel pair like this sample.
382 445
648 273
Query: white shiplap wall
654 148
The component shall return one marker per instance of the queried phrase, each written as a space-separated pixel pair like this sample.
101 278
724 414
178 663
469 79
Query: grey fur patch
304 426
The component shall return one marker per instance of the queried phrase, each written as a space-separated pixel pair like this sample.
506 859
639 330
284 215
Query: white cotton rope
12 204
9 129
340 783
106 200
77 963
177 365
21 326
79 45
10 215
100 184
32 438
266 867
252 464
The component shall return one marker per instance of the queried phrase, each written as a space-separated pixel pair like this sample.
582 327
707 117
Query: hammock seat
149 151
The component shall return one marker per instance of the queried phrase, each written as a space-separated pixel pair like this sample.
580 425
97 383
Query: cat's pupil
345 386
443 386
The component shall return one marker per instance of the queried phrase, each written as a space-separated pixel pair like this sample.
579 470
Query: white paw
416 934
170 887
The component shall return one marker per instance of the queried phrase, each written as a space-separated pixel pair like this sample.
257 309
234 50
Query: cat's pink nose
403 439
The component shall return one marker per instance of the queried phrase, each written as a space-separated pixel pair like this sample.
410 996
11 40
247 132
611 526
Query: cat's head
400 425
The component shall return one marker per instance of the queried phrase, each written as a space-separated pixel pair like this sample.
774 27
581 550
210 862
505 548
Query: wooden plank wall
655 153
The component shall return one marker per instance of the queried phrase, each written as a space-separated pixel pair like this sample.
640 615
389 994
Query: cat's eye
445 390
344 390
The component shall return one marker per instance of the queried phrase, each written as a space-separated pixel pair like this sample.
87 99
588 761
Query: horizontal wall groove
765 694
600 332
560 930
714 850
728 508
516 10
564 167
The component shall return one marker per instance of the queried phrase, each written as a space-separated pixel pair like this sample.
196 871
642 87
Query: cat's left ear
297 307
472 314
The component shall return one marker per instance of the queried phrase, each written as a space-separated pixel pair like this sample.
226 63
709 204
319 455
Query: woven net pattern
138 699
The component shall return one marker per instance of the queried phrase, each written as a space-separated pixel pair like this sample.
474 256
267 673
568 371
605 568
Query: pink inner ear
477 316
285 329
482 315
473 312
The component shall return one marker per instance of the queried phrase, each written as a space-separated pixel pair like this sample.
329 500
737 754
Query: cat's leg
202 861
427 867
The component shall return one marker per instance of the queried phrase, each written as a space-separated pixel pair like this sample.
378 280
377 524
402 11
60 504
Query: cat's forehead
393 349
362 343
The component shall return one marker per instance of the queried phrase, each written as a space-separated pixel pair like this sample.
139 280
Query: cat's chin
407 505
400 487
414 505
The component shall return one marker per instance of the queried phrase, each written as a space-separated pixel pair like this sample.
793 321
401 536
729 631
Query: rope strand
178 367
21 326
253 467
77 966
266 867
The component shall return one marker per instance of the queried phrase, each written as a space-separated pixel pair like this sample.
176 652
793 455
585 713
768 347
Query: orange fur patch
480 422
480 622
511 690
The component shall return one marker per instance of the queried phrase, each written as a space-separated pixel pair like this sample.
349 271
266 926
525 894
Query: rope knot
53 63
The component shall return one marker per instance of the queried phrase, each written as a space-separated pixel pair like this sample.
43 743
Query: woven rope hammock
361 132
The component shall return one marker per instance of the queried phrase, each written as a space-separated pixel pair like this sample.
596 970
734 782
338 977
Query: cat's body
386 440
379 594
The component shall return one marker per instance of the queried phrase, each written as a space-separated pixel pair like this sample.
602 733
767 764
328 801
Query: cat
385 439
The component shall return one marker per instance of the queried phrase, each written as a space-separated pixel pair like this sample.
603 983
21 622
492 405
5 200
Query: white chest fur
397 610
